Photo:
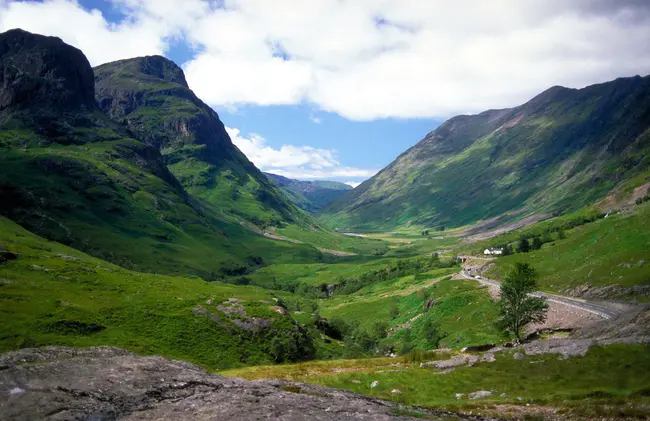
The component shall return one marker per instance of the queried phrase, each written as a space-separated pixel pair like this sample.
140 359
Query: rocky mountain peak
163 68
155 66
41 71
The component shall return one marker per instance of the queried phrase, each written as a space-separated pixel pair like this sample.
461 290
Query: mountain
71 174
562 150
150 96
310 196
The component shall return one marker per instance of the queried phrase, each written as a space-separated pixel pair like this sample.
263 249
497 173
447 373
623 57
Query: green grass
330 240
54 295
613 250
613 378
463 311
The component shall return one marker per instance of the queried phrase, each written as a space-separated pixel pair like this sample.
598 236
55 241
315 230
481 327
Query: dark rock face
112 384
162 68
129 91
39 71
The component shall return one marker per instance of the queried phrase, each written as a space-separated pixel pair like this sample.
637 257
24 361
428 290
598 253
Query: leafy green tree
507 250
517 308
407 342
429 331
394 310
524 246
537 243
560 234
380 330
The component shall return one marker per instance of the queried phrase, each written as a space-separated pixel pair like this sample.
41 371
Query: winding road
596 308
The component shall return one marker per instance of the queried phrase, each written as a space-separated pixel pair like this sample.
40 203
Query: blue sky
336 89
366 145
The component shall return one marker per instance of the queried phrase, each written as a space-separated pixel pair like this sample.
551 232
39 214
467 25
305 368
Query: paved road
589 306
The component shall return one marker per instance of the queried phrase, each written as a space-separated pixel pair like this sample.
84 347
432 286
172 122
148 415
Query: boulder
480 394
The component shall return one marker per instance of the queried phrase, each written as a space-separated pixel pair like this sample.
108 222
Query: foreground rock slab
112 384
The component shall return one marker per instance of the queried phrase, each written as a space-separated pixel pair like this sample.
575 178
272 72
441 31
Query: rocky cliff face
43 72
112 384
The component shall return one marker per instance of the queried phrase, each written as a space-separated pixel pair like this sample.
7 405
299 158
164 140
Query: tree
537 243
524 246
380 330
560 234
429 331
516 307
507 250
407 342
394 310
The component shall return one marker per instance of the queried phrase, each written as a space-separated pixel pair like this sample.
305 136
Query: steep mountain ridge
71 174
309 195
563 149
150 96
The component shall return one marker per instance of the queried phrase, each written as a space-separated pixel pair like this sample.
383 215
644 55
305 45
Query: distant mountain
309 195
564 149
151 97
70 173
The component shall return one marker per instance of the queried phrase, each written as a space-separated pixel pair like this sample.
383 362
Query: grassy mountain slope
606 258
51 294
562 150
71 174
151 97
309 195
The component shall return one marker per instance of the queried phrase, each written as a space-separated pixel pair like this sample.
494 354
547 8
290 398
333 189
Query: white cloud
366 59
100 40
301 162
353 183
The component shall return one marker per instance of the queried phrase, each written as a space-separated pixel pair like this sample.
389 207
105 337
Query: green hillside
597 258
310 196
562 150
51 294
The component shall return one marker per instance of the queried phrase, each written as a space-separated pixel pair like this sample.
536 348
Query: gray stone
374 384
518 356
480 394
488 358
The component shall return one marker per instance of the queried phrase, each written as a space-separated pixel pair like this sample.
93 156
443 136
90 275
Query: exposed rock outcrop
112 384
43 72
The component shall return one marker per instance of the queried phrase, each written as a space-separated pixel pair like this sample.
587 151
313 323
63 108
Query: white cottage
493 251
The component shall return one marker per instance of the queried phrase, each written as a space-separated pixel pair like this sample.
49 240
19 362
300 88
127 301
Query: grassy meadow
611 381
